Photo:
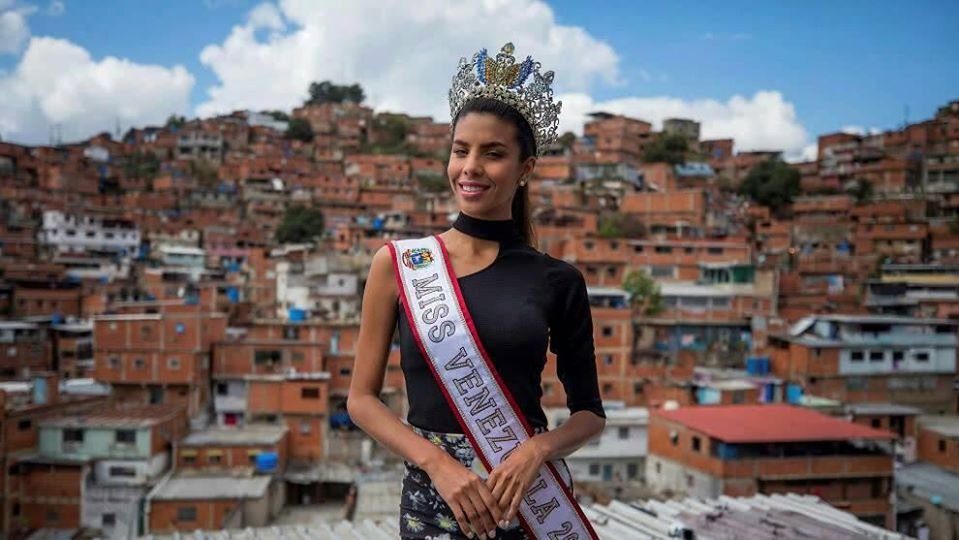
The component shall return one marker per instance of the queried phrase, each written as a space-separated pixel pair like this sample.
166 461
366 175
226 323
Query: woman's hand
511 479
468 496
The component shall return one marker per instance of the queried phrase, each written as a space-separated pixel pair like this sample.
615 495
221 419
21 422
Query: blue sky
837 64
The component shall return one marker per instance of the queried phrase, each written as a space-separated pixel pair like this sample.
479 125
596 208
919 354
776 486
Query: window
632 470
214 459
139 363
607 388
659 467
311 392
690 480
126 436
664 249
108 520
267 357
345 371
921 356
877 356
721 303
173 362
614 245
189 459
73 435
697 444
24 425
588 245
296 356
52 516
607 331
661 271
637 249
222 389
608 359
291 332
637 388
623 432
547 389
856 356
305 427
594 469
897 356
738 397
689 250
611 271
714 250
114 362
145 331
123 472
876 423
942 445
186 513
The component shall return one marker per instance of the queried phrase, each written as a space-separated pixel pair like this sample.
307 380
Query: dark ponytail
521 211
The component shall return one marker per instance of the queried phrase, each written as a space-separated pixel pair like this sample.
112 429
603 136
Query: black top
518 302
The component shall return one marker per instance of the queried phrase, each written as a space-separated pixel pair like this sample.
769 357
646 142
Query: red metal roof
768 423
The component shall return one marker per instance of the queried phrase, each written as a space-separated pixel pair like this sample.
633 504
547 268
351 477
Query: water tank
297 315
266 462
757 365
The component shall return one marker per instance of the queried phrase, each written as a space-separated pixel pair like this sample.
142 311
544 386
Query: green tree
567 139
772 183
174 121
141 165
861 189
206 173
669 148
645 300
300 130
618 225
300 224
279 116
327 92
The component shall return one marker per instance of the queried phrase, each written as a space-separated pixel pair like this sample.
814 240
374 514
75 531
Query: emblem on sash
416 258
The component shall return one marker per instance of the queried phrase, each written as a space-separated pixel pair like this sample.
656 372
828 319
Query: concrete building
939 441
875 359
744 450
927 497
219 449
188 503
70 233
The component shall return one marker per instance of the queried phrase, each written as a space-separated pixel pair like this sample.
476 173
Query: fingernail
503 524
469 534
491 534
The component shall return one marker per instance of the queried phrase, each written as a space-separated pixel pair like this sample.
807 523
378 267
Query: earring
522 182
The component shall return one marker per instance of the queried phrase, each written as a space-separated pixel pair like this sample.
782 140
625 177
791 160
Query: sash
483 405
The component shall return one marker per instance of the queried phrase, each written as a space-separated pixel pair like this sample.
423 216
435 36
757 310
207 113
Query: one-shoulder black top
521 303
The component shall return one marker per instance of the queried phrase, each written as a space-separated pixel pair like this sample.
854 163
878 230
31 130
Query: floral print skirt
424 514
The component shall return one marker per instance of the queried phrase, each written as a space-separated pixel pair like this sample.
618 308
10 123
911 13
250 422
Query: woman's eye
494 155
459 152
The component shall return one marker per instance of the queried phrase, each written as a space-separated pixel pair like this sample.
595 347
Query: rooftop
930 482
140 416
769 424
947 426
891 409
776 517
250 435
176 488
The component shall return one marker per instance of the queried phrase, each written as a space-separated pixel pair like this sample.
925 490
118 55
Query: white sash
483 405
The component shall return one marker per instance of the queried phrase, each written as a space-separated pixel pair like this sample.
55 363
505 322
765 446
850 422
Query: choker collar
485 229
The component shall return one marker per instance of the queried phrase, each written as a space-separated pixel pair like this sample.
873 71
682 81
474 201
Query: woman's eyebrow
493 144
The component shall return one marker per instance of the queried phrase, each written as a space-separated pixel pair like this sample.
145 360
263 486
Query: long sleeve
571 340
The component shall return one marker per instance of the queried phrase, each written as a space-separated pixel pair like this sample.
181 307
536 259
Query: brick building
744 450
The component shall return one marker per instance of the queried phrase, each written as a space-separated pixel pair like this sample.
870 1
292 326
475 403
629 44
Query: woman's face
485 166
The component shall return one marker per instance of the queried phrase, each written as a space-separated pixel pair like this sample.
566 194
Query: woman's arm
467 495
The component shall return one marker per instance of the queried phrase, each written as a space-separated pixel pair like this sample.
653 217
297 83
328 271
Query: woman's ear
528 166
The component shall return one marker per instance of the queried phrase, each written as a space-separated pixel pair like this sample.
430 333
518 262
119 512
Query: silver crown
502 79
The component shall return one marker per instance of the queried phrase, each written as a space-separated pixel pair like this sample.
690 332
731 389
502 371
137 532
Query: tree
207 175
772 183
279 116
300 130
861 189
567 139
618 225
175 122
645 299
327 92
644 294
667 148
300 224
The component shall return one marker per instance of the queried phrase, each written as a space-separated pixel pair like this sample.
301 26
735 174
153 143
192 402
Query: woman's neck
500 230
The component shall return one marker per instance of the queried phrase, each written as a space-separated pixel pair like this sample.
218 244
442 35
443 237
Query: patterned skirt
423 512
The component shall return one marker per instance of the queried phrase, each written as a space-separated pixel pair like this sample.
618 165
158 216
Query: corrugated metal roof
769 423
249 435
883 408
947 426
927 481
777 517
204 487
110 416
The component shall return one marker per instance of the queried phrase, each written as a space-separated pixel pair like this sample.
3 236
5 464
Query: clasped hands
479 507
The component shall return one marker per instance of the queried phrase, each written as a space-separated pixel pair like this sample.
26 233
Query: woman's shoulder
558 271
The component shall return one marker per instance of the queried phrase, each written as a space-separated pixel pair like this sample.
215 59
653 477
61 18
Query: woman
520 301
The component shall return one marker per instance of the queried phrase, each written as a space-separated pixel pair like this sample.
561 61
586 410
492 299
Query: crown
502 79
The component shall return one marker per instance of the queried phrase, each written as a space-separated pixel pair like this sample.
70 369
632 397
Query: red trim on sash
505 389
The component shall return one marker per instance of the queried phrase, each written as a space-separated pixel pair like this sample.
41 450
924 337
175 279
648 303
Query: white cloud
765 121
57 82
14 30
860 130
56 8
401 55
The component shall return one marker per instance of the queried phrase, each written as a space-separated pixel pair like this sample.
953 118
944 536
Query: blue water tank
793 393
233 295
757 365
266 462
297 315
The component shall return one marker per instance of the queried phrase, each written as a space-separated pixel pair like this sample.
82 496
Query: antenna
905 116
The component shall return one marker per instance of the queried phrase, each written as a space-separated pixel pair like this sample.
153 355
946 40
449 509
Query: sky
772 75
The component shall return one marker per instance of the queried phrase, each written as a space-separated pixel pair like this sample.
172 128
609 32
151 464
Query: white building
618 454
69 233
